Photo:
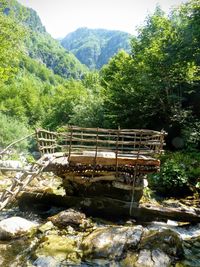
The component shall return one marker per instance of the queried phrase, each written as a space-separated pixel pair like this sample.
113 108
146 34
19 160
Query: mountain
94 47
40 46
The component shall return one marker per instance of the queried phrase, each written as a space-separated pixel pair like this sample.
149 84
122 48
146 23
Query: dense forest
153 85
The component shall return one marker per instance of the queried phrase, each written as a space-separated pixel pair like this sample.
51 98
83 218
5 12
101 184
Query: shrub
11 129
179 174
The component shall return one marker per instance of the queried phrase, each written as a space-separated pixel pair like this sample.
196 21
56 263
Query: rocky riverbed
54 236
70 238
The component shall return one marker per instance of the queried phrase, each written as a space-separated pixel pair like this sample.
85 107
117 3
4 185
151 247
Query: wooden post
70 143
135 174
96 148
116 152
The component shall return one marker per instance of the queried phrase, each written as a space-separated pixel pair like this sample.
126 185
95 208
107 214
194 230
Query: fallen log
107 207
149 212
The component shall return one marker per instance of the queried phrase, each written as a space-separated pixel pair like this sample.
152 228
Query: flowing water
52 246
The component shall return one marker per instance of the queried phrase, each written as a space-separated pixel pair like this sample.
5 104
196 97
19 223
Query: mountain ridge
94 47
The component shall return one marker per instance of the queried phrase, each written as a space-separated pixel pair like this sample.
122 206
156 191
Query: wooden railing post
116 151
96 148
70 142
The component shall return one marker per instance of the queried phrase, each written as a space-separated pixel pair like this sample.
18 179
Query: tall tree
11 35
154 86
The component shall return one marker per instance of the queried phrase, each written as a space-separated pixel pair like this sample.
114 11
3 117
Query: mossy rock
111 242
59 247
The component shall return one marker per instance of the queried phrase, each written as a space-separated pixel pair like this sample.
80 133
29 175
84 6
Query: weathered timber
107 207
152 212
82 159
76 139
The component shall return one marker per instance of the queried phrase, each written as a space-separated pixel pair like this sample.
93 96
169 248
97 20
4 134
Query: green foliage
11 37
179 174
171 179
65 98
191 133
39 45
11 130
94 47
26 97
157 86
42 47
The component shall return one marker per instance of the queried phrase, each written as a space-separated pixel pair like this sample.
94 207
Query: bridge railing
122 142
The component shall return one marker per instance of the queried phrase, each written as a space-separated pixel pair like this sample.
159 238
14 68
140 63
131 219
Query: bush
179 174
11 129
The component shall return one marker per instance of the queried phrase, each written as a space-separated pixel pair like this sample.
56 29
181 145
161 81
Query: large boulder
111 242
15 227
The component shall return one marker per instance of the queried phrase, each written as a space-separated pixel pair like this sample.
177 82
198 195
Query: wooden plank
47 140
113 135
47 147
149 212
126 186
46 131
80 148
80 159
124 131
99 141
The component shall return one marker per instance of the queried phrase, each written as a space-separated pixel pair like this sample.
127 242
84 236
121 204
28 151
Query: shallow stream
92 241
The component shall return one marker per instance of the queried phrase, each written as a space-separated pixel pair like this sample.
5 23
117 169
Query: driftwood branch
15 142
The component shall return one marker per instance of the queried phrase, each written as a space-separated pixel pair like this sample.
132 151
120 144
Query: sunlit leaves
10 46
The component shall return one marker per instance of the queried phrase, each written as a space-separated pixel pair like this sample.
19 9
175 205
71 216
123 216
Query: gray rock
13 164
191 249
154 258
15 227
166 240
46 262
111 242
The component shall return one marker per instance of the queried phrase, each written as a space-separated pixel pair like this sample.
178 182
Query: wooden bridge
95 149
102 168
89 155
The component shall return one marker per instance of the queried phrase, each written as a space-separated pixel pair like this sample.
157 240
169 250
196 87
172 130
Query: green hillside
94 47
36 74
41 46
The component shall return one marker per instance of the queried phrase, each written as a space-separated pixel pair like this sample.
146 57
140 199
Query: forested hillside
94 47
29 61
41 46
156 85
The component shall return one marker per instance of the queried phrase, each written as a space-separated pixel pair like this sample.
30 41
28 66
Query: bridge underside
81 177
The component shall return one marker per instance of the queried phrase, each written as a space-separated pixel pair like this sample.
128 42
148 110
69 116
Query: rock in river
166 240
111 242
68 217
15 227
56 248
154 258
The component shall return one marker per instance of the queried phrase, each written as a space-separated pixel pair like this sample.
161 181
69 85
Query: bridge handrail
121 141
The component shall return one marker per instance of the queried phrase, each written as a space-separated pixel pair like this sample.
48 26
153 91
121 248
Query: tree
155 86
11 35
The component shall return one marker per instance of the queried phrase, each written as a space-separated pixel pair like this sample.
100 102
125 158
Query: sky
61 17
